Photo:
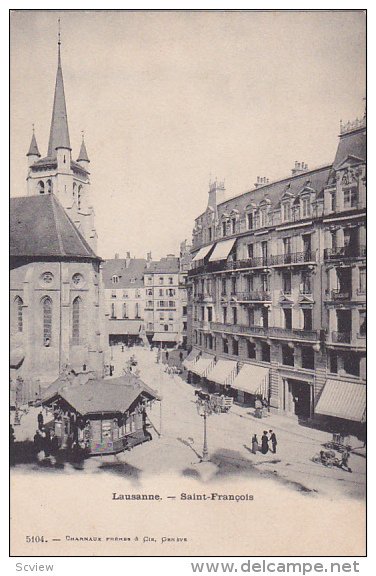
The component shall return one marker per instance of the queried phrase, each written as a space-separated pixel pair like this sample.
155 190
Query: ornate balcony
293 258
345 253
254 296
341 295
341 337
270 332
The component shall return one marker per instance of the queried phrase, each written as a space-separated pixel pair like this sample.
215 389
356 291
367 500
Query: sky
171 100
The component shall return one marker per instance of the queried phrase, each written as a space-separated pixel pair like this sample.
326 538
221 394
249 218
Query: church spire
83 156
33 149
59 133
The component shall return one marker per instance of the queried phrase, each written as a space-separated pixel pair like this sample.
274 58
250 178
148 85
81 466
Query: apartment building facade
277 288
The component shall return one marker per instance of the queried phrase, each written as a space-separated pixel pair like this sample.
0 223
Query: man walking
273 440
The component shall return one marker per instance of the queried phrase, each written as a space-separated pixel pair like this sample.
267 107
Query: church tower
57 173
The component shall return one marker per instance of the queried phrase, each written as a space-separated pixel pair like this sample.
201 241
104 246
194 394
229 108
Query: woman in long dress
255 444
264 442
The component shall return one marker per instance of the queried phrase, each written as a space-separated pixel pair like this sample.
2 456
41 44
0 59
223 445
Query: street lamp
204 409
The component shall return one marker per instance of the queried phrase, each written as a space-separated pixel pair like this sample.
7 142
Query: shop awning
124 327
189 360
222 250
252 379
165 337
343 400
203 365
222 371
202 253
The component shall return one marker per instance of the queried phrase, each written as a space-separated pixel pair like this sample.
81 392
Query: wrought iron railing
292 258
271 331
341 337
341 295
345 252
254 296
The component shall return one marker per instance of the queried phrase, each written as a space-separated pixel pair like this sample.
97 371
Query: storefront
298 398
251 383
101 416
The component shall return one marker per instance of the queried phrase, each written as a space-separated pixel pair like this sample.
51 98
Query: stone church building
56 300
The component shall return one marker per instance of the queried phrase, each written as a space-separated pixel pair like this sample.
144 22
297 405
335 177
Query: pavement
179 447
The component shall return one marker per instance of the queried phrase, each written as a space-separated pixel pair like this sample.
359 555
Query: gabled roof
169 265
131 274
115 395
40 228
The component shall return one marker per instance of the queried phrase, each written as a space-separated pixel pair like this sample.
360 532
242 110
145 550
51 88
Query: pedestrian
273 440
264 442
255 444
167 355
181 356
40 420
258 408
345 461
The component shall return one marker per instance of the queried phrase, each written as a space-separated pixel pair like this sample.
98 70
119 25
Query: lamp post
204 409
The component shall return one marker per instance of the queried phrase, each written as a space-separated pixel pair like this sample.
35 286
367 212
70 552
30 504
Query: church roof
33 150
40 228
59 133
83 152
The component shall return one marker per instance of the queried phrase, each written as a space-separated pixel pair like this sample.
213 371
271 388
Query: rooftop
40 228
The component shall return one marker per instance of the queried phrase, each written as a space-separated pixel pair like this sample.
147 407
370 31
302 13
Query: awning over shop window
222 371
203 365
202 253
189 360
165 337
222 250
343 400
124 327
252 379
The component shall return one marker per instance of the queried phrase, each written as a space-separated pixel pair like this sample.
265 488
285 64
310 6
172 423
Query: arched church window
49 186
18 313
74 190
47 320
41 187
79 193
76 309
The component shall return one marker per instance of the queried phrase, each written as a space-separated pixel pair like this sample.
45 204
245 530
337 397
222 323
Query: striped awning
165 337
343 399
222 371
203 365
190 359
252 379
222 250
202 253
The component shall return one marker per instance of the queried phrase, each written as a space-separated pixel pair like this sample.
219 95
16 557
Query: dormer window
49 186
250 220
306 207
41 187
224 228
350 198
263 217
286 211
233 225
115 279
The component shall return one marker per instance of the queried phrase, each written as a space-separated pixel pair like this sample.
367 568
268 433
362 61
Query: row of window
125 310
47 318
206 286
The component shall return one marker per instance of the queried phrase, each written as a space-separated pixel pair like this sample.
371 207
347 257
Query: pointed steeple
83 156
33 149
59 133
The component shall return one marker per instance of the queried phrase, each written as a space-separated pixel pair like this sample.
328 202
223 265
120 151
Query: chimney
127 259
299 168
217 193
261 181
117 256
148 256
